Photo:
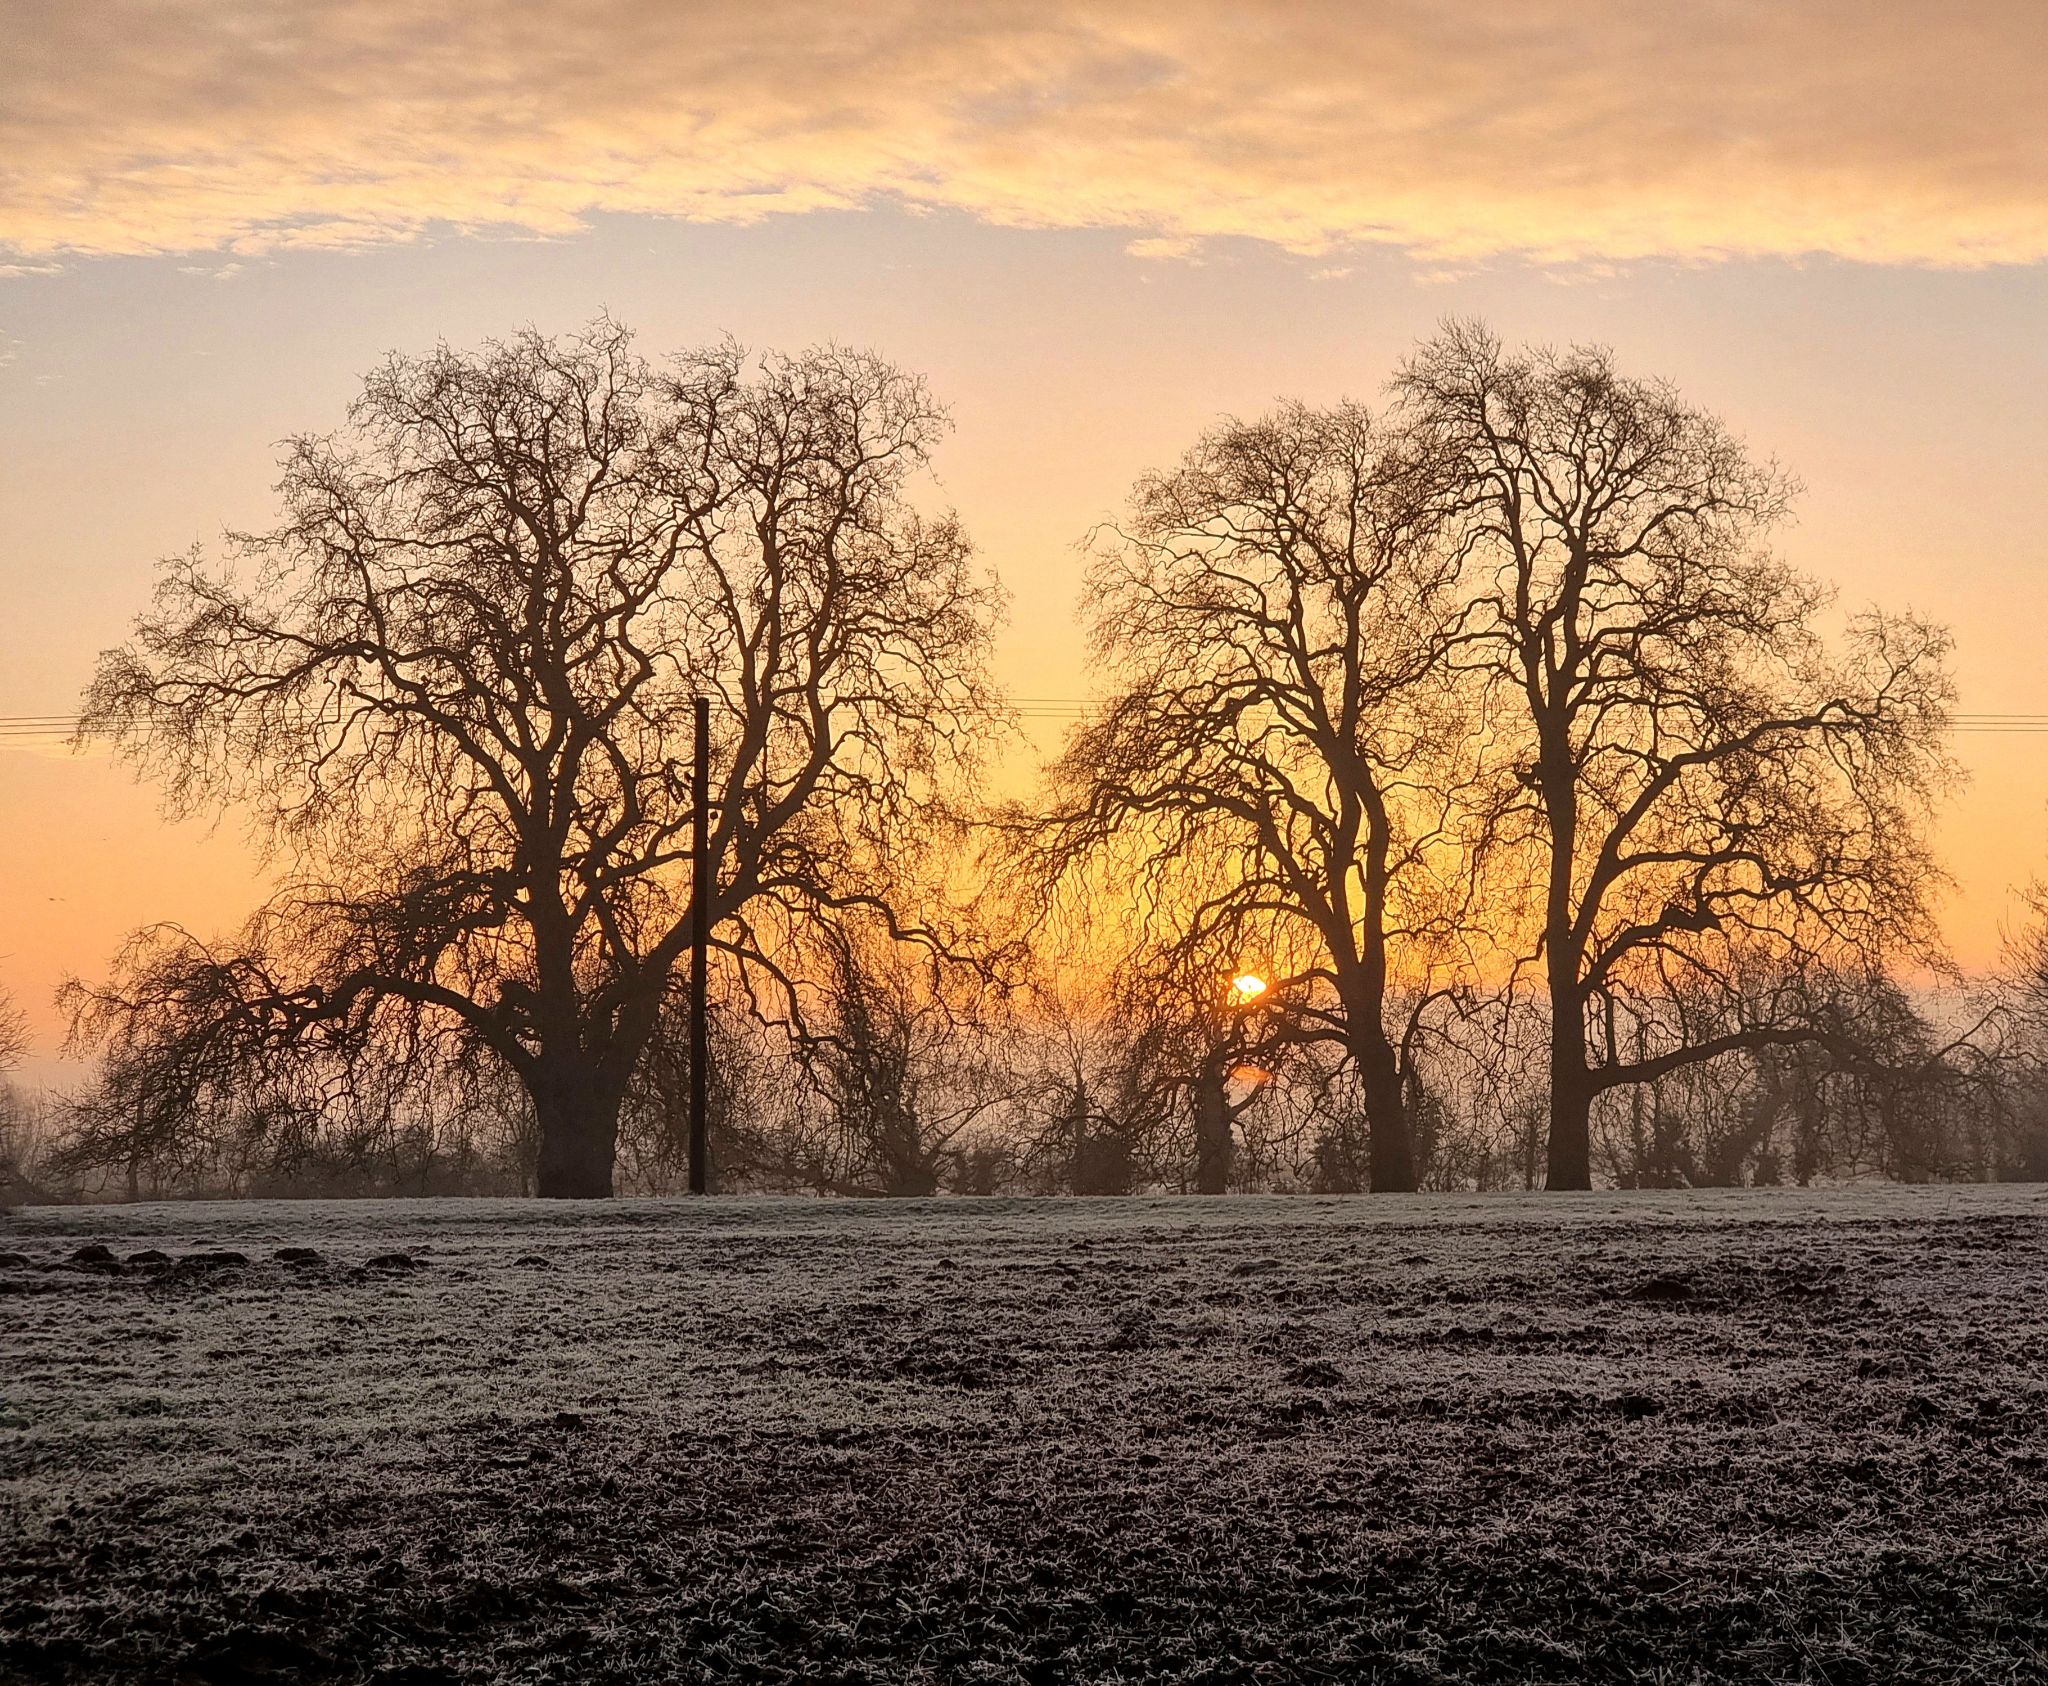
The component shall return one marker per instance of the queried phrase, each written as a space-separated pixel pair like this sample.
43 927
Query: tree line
1472 798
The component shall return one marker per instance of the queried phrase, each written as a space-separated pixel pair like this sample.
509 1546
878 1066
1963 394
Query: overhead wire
60 728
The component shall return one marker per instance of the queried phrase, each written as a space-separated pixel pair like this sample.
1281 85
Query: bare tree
192 1097
1273 769
1104 1072
1873 1085
2025 970
14 1037
188 1081
745 1067
1064 1139
19 1142
901 1062
2022 994
1701 773
453 689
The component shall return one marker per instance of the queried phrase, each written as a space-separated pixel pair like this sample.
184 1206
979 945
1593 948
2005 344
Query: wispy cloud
1166 248
1562 130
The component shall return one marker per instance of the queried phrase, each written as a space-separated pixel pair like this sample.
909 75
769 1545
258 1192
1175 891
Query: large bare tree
454 686
1704 775
1272 767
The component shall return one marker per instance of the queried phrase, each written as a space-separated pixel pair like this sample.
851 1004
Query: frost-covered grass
1656 1437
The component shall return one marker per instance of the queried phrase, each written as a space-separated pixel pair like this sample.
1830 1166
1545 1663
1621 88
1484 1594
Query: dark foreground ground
1646 1437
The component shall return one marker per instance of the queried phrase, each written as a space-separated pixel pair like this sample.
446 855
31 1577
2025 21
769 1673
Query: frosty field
1658 1437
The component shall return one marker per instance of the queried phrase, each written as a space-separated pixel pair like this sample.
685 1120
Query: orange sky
1094 227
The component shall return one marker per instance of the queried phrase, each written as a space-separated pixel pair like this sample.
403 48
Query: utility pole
701 890
1212 1125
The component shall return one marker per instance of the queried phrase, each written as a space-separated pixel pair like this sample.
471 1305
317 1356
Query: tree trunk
1570 1154
1571 1113
578 1115
1571 1083
1390 1144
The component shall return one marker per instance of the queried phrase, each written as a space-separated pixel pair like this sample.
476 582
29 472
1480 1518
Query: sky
1094 228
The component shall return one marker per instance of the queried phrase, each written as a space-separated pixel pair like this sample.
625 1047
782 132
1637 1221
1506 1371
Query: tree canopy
453 689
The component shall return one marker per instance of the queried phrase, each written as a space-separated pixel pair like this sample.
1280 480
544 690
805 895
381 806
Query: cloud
1566 131
1166 248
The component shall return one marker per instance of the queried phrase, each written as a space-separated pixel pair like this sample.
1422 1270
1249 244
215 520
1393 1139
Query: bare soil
1741 1436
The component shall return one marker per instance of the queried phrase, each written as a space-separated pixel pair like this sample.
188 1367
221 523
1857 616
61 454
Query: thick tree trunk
1571 1110
1570 1159
578 1115
1570 1154
1390 1144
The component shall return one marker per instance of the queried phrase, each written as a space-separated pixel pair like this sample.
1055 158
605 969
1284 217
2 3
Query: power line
59 728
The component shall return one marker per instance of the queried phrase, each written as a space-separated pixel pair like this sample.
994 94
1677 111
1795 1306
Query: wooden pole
701 891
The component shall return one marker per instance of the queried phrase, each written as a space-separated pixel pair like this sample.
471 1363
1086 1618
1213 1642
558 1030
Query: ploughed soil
1656 1437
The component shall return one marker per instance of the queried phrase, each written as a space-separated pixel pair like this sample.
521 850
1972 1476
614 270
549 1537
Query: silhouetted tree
453 689
2025 969
1272 769
1065 1137
900 1063
19 1136
654 1123
1872 1086
1700 773
190 1097
1085 1120
14 1038
2023 993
